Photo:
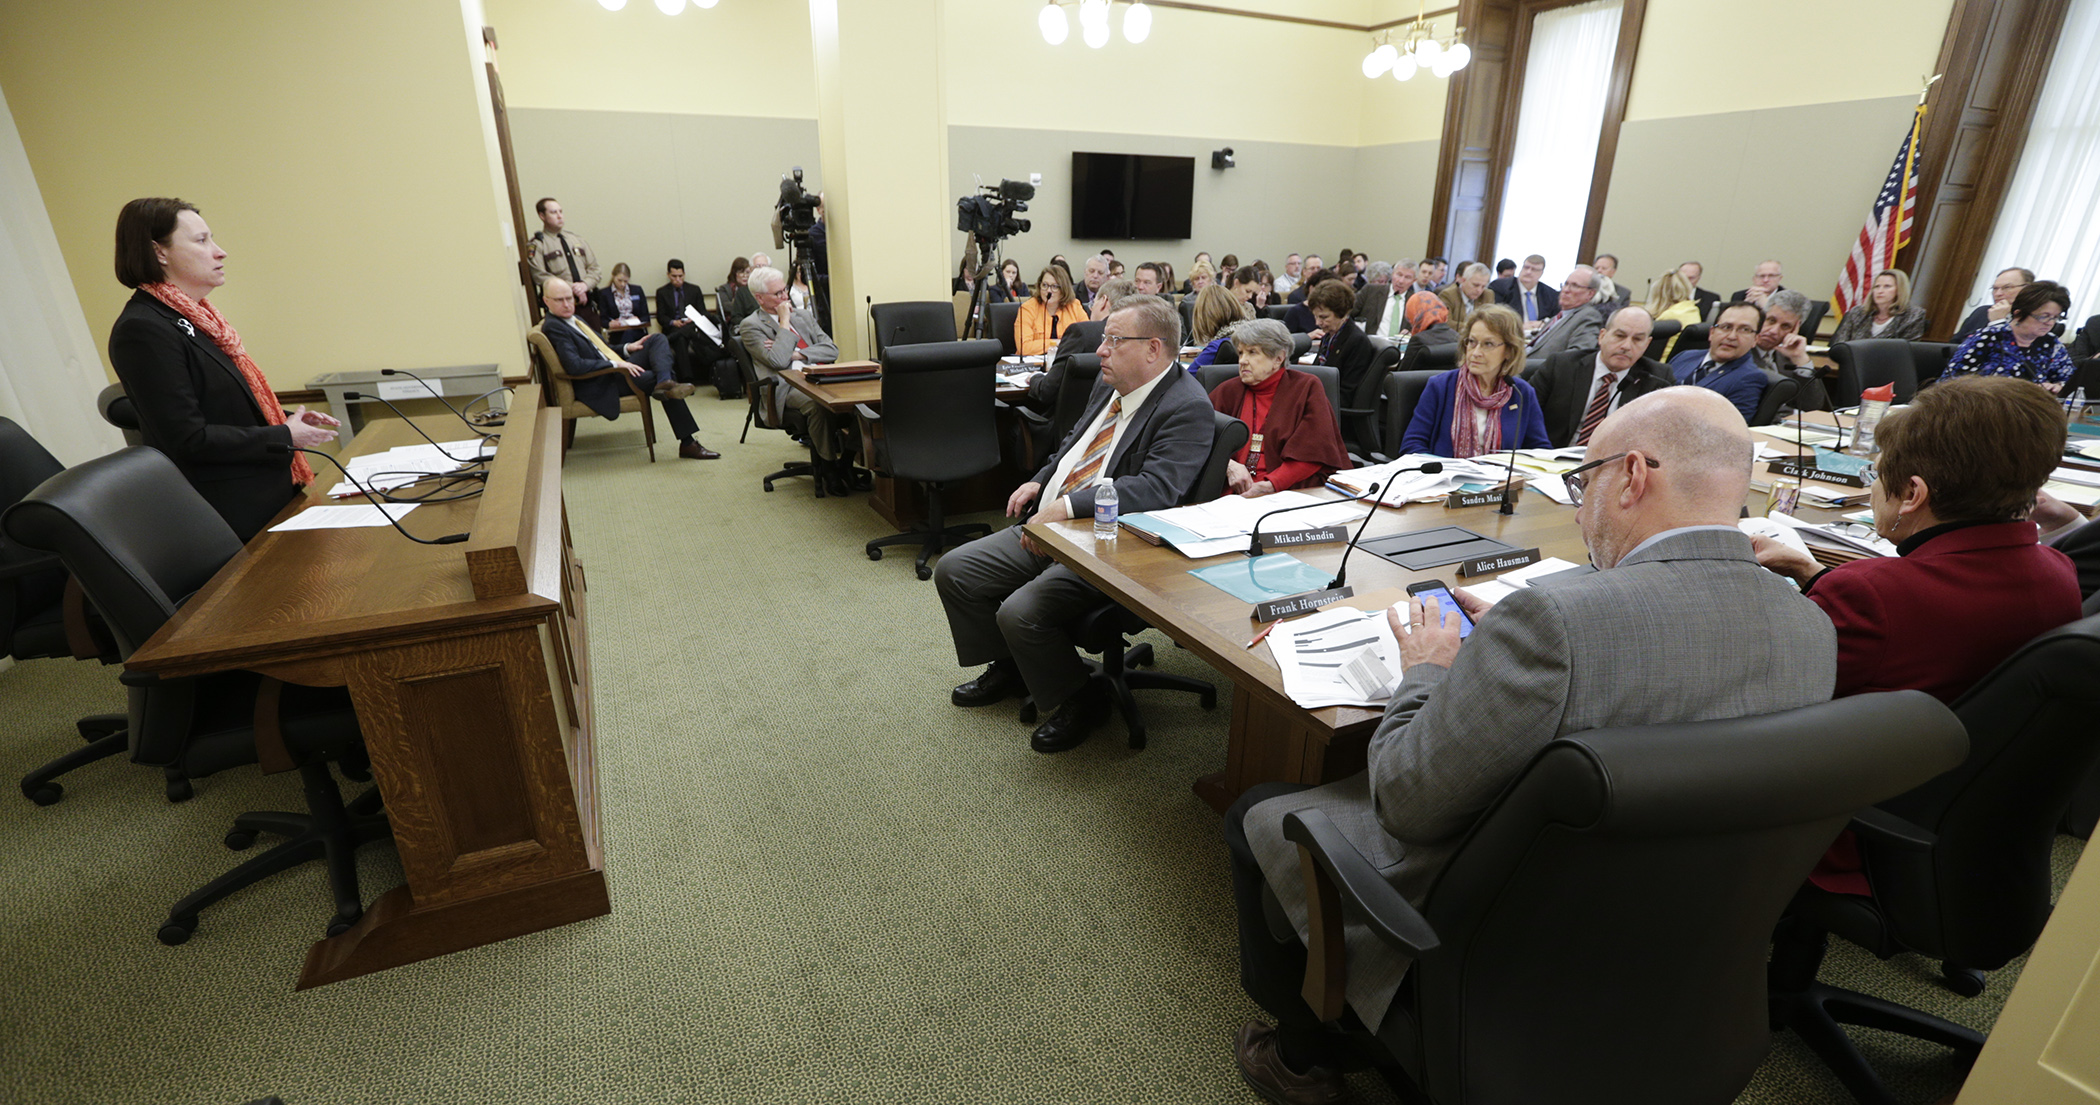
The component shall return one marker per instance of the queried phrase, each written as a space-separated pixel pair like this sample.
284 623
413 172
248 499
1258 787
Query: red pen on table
1264 632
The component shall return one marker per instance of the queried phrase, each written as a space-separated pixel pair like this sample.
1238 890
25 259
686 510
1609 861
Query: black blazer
604 296
578 356
1707 302
671 303
1080 337
1351 352
1512 297
1563 386
194 405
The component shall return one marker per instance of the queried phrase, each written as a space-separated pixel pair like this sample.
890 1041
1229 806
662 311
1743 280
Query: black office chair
1107 628
1959 865
1601 934
141 540
1360 410
119 411
1813 321
43 615
1187 308
1659 337
1276 311
1694 336
1403 390
1872 362
1439 358
1779 391
1929 359
939 425
1000 318
1082 372
913 323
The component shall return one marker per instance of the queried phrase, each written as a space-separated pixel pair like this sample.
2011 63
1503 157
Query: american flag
1888 228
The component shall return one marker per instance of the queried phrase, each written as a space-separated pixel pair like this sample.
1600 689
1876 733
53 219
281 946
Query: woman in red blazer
1958 472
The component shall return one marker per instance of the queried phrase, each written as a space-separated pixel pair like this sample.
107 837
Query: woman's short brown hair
1333 295
142 223
1983 444
1215 309
1508 329
2040 294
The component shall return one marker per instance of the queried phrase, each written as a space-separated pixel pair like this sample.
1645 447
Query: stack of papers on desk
2079 487
1338 656
405 464
1848 540
1550 461
343 517
1416 487
1789 432
1223 525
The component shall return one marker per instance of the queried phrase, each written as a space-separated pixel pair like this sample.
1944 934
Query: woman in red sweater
1295 439
1958 472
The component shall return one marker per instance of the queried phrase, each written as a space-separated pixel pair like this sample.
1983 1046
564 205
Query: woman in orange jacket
1046 315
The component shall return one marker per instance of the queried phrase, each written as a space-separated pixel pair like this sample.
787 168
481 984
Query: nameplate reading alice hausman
1502 562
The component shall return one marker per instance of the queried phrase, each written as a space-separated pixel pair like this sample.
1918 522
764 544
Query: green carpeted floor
828 884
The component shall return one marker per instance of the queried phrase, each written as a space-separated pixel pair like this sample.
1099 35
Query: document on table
1414 487
405 464
343 517
1337 656
1844 537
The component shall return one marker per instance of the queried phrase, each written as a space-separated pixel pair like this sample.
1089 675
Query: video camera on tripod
990 217
796 208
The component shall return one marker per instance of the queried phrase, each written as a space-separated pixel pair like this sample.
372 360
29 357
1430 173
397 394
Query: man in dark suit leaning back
1677 590
582 351
1147 429
1578 391
671 301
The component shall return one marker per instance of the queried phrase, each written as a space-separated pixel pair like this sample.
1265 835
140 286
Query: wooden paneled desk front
469 668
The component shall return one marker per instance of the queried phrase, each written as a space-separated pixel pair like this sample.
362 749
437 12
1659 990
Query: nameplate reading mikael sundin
1304 603
1292 538
1501 562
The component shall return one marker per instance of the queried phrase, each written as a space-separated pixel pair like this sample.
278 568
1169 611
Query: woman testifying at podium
1295 441
200 397
1483 406
1046 315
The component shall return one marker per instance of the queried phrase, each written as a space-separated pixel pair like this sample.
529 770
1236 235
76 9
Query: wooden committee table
902 504
468 665
1273 739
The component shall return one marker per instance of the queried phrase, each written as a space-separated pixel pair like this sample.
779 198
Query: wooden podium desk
469 668
1273 739
902 504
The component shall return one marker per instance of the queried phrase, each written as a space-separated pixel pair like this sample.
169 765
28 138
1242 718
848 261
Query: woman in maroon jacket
1958 472
1295 439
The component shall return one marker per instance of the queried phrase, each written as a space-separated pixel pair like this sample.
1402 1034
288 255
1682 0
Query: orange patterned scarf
207 318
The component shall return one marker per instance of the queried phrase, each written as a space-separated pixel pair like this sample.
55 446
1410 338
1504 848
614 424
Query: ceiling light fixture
1095 22
1420 49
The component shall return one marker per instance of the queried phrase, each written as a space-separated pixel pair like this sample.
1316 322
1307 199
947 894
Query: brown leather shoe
1261 1064
693 450
672 389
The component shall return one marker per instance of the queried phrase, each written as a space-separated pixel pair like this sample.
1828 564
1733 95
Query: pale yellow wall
1707 57
574 54
335 148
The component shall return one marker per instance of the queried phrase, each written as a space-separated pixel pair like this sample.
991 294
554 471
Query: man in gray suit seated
1678 624
1147 428
780 337
1574 329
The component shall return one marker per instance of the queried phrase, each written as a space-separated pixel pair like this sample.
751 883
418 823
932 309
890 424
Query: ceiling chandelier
1419 49
1093 22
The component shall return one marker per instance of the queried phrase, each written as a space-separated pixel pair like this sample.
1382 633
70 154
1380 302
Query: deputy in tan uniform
557 252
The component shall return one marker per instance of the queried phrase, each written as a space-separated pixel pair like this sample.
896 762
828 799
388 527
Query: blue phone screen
1449 605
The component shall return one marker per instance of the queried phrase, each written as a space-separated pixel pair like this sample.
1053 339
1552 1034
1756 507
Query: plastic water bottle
2075 404
1105 511
1874 402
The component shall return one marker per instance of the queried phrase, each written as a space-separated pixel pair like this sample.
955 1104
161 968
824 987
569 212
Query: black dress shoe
693 450
1262 1066
1073 722
999 682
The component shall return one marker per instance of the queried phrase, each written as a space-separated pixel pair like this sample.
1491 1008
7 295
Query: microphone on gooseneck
439 395
1509 483
1341 570
448 539
1254 535
416 428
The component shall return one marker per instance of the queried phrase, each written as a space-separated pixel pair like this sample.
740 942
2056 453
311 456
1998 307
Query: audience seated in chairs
1469 293
624 307
1483 406
1382 305
1429 321
1666 479
1008 604
1296 442
2004 286
1077 339
1670 299
778 338
581 351
733 299
2021 345
1532 299
1337 340
1213 315
1764 281
1574 329
1577 391
1783 350
1726 365
1887 313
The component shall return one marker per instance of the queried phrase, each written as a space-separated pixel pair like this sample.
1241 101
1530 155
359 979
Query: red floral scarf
1465 442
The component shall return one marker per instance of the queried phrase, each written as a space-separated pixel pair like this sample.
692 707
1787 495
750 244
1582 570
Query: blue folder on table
1261 578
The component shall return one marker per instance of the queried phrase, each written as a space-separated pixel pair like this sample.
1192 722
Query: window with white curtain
2050 221
1566 77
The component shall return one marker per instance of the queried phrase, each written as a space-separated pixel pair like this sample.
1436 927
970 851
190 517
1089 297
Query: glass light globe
1428 50
1375 65
1405 67
670 7
1051 20
612 5
1092 12
1094 34
1442 65
1137 23
1459 54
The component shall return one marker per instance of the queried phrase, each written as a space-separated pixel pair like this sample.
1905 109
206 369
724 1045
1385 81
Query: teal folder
1261 578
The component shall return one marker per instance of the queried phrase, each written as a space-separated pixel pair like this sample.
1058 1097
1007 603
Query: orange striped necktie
1096 453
